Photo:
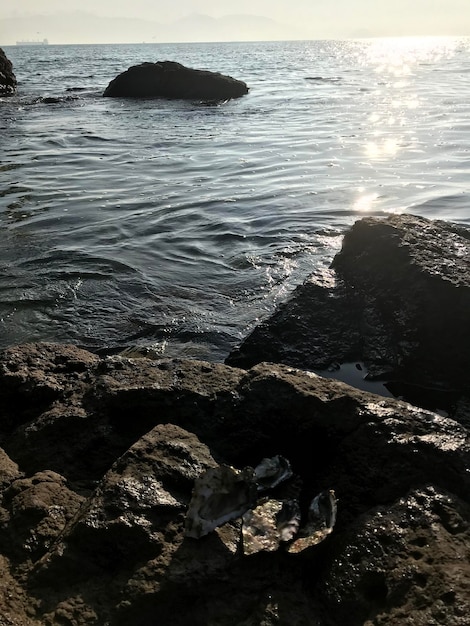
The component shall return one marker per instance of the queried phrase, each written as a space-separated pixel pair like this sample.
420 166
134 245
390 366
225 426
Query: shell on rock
270 523
288 520
220 495
321 520
271 472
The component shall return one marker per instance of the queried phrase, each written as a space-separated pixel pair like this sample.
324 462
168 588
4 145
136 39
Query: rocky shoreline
396 300
99 457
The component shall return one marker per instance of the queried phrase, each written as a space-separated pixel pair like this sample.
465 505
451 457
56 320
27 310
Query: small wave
324 79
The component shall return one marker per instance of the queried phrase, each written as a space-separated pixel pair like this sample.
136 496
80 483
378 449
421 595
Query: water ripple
177 224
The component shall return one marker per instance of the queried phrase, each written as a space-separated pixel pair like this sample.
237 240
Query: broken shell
271 522
259 530
219 495
321 520
323 509
288 520
272 471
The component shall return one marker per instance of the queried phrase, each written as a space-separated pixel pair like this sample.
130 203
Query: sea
177 226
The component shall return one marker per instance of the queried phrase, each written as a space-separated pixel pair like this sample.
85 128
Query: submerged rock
7 76
168 79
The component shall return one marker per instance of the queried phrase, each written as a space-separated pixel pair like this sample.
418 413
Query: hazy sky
296 18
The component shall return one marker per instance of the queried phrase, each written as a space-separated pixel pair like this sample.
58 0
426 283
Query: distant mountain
198 27
75 28
89 28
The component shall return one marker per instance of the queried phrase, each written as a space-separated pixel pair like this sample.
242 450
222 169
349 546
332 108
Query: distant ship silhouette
28 42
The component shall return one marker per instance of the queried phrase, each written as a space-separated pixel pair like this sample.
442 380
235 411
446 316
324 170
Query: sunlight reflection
398 55
385 147
365 202
397 61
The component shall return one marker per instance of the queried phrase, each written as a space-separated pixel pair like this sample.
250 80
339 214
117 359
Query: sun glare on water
395 98
398 55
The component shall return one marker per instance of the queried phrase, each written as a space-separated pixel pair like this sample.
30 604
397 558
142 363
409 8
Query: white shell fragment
270 523
271 472
321 520
219 495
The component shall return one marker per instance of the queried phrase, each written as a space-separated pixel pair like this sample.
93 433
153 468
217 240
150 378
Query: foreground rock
7 76
397 298
167 79
99 460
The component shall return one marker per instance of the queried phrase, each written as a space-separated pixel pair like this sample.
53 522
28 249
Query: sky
106 21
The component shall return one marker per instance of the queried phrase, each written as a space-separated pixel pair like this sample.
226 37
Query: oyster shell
271 472
321 520
220 495
288 520
270 523
259 528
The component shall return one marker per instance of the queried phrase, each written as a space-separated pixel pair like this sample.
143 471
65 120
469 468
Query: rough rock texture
99 460
397 298
7 76
167 79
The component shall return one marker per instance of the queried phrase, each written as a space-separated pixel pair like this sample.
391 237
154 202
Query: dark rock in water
54 99
311 331
7 76
167 79
131 436
398 300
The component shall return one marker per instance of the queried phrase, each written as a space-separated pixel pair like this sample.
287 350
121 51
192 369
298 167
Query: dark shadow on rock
237 594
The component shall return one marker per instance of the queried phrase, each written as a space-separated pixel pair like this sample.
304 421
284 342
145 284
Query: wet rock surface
98 464
168 79
7 76
397 298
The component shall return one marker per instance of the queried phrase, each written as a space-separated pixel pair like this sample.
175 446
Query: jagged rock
397 298
167 79
400 474
8 471
69 411
7 76
38 509
403 564
135 521
16 607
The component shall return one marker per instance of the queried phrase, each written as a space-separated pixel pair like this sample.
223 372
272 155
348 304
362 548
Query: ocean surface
180 225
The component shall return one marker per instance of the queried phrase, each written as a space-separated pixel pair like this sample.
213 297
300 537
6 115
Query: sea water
179 225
